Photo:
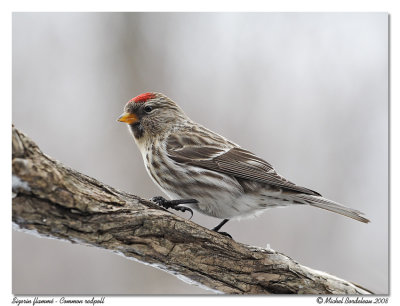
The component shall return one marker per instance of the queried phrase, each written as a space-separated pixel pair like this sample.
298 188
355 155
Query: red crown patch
143 97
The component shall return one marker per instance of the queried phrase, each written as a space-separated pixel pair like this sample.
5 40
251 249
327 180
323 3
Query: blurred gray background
306 91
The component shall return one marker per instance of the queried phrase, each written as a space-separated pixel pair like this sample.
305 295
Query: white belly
218 195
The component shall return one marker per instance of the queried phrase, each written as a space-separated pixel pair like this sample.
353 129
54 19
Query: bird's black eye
148 109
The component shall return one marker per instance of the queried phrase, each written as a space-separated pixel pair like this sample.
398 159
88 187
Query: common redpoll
210 173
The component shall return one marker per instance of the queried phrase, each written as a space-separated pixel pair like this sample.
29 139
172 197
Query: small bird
207 172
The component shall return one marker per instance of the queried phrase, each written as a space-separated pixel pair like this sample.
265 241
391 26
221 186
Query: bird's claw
174 204
225 234
184 209
218 227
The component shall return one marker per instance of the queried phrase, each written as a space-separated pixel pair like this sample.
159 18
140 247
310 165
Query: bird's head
151 114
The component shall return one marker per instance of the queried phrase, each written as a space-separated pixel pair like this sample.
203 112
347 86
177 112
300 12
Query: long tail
323 203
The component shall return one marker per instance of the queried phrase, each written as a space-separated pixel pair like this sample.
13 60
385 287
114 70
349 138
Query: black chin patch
137 130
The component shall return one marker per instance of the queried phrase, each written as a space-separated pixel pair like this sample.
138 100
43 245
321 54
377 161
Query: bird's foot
225 234
218 227
174 204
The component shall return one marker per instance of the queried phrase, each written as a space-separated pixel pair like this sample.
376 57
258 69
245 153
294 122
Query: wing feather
233 161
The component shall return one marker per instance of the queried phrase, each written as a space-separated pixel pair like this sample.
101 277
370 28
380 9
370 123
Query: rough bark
56 201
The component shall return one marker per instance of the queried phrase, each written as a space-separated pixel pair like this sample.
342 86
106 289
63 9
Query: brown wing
234 161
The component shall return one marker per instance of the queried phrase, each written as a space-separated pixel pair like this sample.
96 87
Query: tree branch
59 202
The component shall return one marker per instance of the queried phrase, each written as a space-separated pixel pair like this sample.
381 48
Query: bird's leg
174 204
218 227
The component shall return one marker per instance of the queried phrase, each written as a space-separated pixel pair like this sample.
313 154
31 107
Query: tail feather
323 203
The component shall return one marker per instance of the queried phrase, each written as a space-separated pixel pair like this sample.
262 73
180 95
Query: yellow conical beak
128 118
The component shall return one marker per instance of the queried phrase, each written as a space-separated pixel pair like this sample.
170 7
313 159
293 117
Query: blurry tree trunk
59 202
